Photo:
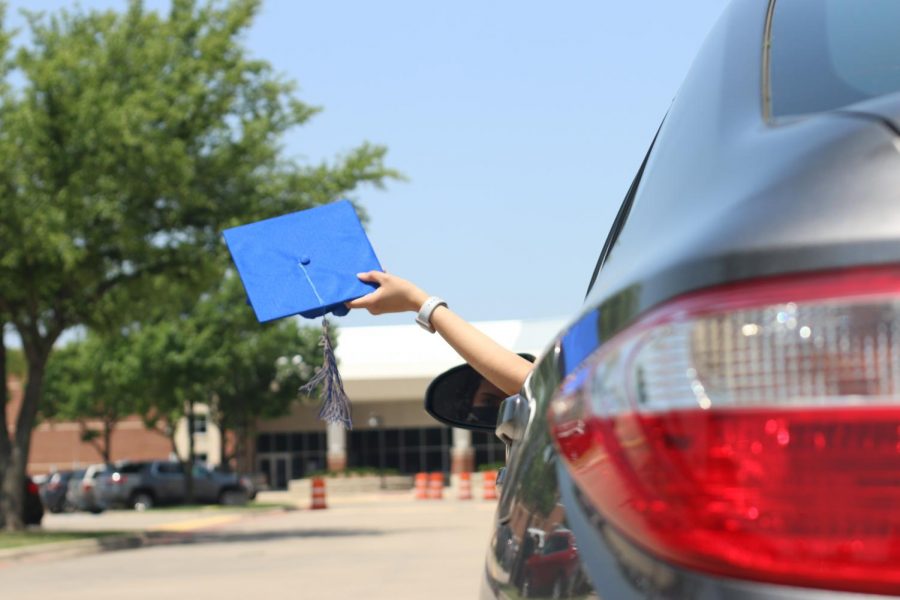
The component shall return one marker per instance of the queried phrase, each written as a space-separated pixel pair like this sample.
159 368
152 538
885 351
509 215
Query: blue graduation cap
306 263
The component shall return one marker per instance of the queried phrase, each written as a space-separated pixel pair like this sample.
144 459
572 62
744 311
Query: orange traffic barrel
421 486
436 486
490 485
318 494
465 486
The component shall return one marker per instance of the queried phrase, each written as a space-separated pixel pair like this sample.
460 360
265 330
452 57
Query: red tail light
31 488
751 431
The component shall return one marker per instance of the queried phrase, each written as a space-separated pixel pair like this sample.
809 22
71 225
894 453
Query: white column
336 439
462 455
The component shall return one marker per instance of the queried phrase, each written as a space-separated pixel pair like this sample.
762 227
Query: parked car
33 509
87 492
54 491
721 418
142 485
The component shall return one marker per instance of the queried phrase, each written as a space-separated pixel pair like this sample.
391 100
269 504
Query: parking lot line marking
194 524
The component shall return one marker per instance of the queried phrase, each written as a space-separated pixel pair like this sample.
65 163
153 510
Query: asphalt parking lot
379 547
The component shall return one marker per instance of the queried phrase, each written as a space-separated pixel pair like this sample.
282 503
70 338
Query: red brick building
57 445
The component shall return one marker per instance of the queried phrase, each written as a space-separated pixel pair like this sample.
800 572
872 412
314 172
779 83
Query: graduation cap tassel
335 403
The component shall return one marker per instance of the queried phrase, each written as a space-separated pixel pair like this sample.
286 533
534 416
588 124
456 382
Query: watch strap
423 318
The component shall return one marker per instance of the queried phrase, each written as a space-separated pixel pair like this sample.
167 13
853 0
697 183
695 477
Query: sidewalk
176 526
391 548
140 529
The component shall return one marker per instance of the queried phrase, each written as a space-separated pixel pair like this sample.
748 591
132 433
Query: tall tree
130 142
215 353
94 382
255 371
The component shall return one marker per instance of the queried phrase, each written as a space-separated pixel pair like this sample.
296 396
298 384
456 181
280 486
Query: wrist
423 318
417 299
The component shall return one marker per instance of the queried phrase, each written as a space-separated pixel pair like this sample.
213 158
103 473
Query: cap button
304 260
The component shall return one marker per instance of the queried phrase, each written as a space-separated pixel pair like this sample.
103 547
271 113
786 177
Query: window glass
826 54
411 437
199 423
132 467
170 468
316 441
556 543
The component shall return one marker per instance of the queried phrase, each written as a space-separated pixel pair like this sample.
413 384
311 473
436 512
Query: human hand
394 294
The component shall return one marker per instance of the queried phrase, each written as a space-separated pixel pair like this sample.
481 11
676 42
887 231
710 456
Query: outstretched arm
505 369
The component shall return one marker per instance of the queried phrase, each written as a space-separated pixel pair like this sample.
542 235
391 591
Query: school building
386 371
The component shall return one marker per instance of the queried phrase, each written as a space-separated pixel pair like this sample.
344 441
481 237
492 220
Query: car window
170 468
131 468
621 218
826 54
556 543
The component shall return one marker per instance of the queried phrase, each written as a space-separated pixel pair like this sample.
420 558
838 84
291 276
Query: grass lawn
27 538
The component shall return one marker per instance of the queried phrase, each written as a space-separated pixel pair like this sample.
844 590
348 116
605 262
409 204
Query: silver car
87 493
721 420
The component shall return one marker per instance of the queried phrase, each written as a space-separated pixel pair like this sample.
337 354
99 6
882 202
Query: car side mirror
462 398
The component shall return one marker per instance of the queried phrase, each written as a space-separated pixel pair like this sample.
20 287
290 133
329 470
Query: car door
170 479
206 488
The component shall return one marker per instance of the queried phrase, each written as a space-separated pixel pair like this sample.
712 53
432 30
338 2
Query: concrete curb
113 543
86 547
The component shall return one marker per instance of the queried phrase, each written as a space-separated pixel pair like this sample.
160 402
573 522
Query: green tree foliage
132 140
15 362
217 354
94 382
255 370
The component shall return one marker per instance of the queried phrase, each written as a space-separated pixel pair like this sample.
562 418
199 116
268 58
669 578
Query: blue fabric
303 263
580 341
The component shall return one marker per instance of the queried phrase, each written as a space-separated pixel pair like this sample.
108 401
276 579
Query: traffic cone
490 485
318 494
465 486
421 486
436 486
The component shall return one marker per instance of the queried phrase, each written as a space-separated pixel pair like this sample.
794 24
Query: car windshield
826 54
131 467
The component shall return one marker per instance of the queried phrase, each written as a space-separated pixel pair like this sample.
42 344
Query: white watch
424 316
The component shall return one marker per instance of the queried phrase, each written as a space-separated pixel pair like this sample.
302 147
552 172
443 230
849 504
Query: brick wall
57 445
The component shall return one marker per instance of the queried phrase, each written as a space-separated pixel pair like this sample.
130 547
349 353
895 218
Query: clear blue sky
519 124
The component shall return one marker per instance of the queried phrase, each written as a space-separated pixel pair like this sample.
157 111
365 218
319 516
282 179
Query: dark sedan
722 419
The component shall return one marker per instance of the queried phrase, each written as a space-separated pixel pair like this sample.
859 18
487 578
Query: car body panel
33 508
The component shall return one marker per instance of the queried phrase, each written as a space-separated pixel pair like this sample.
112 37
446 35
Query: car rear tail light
751 431
31 487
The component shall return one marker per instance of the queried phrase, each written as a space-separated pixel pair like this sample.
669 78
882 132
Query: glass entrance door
276 466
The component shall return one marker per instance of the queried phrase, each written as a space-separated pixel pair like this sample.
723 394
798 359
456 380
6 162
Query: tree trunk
4 426
189 468
108 426
12 492
224 456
